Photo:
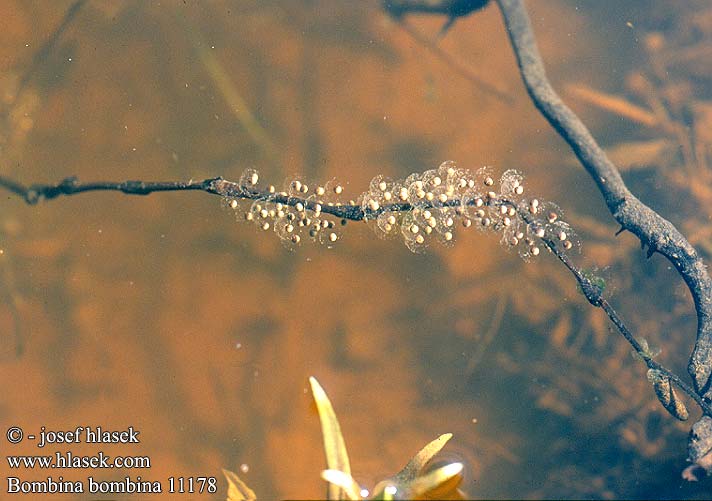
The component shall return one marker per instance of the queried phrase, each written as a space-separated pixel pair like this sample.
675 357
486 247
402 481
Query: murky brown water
165 314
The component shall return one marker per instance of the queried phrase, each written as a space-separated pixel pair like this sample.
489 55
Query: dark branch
41 55
215 186
450 8
70 186
494 88
653 230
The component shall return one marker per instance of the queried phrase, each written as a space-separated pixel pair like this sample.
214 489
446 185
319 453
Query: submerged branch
216 186
41 55
594 295
652 229
493 88
71 186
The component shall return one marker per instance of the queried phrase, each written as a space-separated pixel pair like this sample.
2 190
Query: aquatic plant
415 481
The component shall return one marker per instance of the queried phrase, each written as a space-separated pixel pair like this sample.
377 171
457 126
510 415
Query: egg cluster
422 206
294 213
427 206
436 203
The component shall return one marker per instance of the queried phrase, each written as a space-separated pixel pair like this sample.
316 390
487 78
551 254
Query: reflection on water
163 313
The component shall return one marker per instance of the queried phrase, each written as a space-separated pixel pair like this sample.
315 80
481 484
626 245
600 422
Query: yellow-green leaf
236 488
415 465
436 479
334 447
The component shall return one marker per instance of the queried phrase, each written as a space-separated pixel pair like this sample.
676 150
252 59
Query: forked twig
659 234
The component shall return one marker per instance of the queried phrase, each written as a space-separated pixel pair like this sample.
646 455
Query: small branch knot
592 291
32 196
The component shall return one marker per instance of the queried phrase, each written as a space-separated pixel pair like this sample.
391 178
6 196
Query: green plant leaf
334 447
236 488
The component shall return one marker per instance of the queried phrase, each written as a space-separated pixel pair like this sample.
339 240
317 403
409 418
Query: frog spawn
442 201
524 223
427 206
545 222
297 221
439 202
422 207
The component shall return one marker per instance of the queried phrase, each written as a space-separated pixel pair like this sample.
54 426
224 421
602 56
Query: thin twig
465 71
44 51
71 186
594 295
486 339
216 186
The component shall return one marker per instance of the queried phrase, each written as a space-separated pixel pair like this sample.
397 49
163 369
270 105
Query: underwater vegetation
414 481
